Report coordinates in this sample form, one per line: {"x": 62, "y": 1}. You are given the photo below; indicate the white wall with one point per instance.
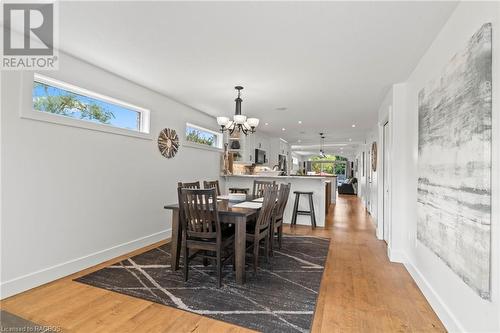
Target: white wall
{"x": 359, "y": 174}
{"x": 75, "y": 197}
{"x": 372, "y": 177}
{"x": 403, "y": 168}
{"x": 362, "y": 189}
{"x": 458, "y": 306}
{"x": 368, "y": 183}
{"x": 384, "y": 116}
{"x": 363, "y": 170}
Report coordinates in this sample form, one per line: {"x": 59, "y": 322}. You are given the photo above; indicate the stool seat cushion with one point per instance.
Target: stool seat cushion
{"x": 301, "y": 192}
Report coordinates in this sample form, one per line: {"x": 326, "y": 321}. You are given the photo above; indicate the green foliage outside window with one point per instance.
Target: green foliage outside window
{"x": 197, "y": 136}
{"x": 328, "y": 164}
{"x": 67, "y": 104}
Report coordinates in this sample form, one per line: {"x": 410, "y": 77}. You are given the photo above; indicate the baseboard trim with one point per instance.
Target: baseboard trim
{"x": 442, "y": 311}
{"x": 378, "y": 228}
{"x": 35, "y": 279}
{"x": 396, "y": 255}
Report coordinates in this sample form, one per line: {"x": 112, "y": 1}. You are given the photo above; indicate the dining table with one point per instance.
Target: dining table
{"x": 229, "y": 213}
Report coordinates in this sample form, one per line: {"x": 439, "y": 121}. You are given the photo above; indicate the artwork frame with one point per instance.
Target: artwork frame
{"x": 374, "y": 156}
{"x": 454, "y": 163}
{"x": 168, "y": 142}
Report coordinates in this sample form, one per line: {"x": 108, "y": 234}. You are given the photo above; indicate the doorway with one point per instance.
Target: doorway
{"x": 368, "y": 179}
{"x": 386, "y": 183}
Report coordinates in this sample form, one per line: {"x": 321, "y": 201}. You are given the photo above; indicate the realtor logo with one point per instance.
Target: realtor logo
{"x": 29, "y": 36}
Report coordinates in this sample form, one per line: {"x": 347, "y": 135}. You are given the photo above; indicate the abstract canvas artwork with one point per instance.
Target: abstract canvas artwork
{"x": 454, "y": 163}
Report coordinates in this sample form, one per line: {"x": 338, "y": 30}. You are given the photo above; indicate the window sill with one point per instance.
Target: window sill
{"x": 200, "y": 146}
{"x": 72, "y": 122}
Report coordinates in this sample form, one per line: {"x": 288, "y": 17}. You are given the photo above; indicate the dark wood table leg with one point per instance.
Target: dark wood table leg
{"x": 176, "y": 241}
{"x": 239, "y": 249}
{"x": 271, "y": 237}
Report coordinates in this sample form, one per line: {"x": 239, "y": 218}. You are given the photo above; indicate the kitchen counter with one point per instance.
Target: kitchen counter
{"x": 316, "y": 184}
{"x": 281, "y": 177}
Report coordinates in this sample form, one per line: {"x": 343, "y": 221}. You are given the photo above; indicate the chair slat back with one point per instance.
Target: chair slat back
{"x": 268, "y": 205}
{"x": 199, "y": 212}
{"x": 212, "y": 184}
{"x": 195, "y": 185}
{"x": 259, "y": 186}
{"x": 283, "y": 193}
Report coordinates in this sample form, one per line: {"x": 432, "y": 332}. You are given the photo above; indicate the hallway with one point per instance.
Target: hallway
{"x": 361, "y": 290}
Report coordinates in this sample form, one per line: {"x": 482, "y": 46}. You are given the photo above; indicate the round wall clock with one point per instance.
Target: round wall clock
{"x": 374, "y": 156}
{"x": 168, "y": 142}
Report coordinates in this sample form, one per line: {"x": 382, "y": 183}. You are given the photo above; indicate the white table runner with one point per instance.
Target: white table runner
{"x": 249, "y": 204}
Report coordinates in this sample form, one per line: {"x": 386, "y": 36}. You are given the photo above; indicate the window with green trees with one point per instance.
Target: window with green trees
{"x": 203, "y": 136}
{"x": 330, "y": 164}
{"x": 55, "y": 99}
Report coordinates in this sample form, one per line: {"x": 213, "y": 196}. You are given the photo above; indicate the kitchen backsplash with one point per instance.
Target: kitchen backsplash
{"x": 242, "y": 169}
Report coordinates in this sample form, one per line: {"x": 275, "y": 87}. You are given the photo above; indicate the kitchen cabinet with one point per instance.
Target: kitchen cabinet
{"x": 236, "y": 146}
{"x": 243, "y": 148}
{"x": 261, "y": 142}
{"x": 245, "y": 154}
{"x": 278, "y": 147}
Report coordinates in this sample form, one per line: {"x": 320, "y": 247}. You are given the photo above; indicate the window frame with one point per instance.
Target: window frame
{"x": 29, "y": 112}
{"x": 333, "y": 163}
{"x": 219, "y": 135}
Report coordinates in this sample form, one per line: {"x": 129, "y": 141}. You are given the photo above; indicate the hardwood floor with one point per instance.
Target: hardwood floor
{"x": 361, "y": 291}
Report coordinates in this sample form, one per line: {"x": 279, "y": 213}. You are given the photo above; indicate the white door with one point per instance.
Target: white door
{"x": 368, "y": 181}
{"x": 386, "y": 179}
{"x": 363, "y": 176}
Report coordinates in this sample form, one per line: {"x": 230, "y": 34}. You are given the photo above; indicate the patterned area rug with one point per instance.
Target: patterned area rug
{"x": 281, "y": 297}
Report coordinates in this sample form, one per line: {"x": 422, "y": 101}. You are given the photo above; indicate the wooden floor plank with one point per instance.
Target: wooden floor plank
{"x": 361, "y": 291}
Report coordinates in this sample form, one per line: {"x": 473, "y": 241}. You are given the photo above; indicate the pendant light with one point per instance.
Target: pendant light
{"x": 321, "y": 144}
{"x": 239, "y": 122}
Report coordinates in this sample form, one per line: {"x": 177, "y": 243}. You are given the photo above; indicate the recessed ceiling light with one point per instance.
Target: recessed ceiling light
{"x": 350, "y": 139}
{"x": 266, "y": 124}
{"x": 283, "y": 129}
{"x": 300, "y": 122}
{"x": 353, "y": 125}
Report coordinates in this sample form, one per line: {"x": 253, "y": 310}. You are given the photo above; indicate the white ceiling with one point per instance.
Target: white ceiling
{"x": 328, "y": 63}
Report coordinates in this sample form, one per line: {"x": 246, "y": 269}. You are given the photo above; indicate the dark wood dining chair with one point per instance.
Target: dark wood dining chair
{"x": 201, "y": 229}
{"x": 259, "y": 186}
{"x": 212, "y": 184}
{"x": 260, "y": 231}
{"x": 277, "y": 218}
{"x": 193, "y": 185}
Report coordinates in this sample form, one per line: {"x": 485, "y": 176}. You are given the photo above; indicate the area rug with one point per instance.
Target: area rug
{"x": 281, "y": 297}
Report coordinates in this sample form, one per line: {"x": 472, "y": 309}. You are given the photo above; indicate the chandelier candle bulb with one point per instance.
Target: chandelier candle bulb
{"x": 253, "y": 122}
{"x": 222, "y": 121}
{"x": 239, "y": 119}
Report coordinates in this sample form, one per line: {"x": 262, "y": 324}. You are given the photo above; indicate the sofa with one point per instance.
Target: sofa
{"x": 349, "y": 186}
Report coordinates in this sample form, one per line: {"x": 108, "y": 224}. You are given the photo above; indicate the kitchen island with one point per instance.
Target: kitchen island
{"x": 299, "y": 183}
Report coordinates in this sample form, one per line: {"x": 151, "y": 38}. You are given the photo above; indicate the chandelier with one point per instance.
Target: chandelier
{"x": 240, "y": 122}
